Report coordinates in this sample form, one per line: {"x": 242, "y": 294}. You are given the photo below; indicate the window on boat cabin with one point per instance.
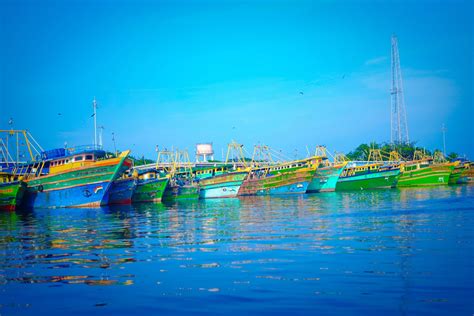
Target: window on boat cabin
{"x": 78, "y": 158}
{"x": 89, "y": 157}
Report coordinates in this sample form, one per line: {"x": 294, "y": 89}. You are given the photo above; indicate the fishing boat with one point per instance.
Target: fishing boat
{"x": 327, "y": 174}
{"x": 121, "y": 190}
{"x": 455, "y": 176}
{"x": 151, "y": 185}
{"x": 292, "y": 177}
{"x": 73, "y": 177}
{"x": 180, "y": 190}
{"x": 11, "y": 191}
{"x": 423, "y": 171}
{"x": 269, "y": 173}
{"x": 367, "y": 176}
{"x": 326, "y": 178}
{"x": 177, "y": 165}
{"x": 467, "y": 175}
{"x": 219, "y": 182}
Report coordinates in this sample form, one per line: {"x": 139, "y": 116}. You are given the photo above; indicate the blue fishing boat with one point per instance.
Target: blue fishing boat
{"x": 121, "y": 190}
{"x": 79, "y": 177}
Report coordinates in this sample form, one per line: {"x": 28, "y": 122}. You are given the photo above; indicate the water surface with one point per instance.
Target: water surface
{"x": 394, "y": 252}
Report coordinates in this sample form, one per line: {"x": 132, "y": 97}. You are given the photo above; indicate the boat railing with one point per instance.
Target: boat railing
{"x": 83, "y": 148}
{"x": 354, "y": 163}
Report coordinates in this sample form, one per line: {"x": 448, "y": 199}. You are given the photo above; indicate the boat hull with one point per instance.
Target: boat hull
{"x": 291, "y": 182}
{"x": 85, "y": 195}
{"x": 467, "y": 176}
{"x": 455, "y": 175}
{"x": 82, "y": 187}
{"x": 429, "y": 176}
{"x": 325, "y": 179}
{"x": 121, "y": 191}
{"x": 150, "y": 190}
{"x": 221, "y": 186}
{"x": 294, "y": 188}
{"x": 11, "y": 194}
{"x": 181, "y": 192}
{"x": 377, "y": 180}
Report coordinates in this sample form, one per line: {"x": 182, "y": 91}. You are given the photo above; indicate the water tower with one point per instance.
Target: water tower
{"x": 203, "y": 151}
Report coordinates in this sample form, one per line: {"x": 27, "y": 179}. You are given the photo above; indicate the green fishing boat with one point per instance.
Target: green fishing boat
{"x": 12, "y": 189}
{"x": 150, "y": 187}
{"x": 178, "y": 167}
{"x": 367, "y": 176}
{"x": 425, "y": 173}
{"x": 181, "y": 192}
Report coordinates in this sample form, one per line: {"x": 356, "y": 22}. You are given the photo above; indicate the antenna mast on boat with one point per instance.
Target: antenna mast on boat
{"x": 115, "y": 147}
{"x": 94, "y": 106}
{"x": 398, "y": 117}
{"x": 101, "y": 131}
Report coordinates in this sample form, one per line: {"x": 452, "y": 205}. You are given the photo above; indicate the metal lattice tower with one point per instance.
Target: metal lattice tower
{"x": 398, "y": 117}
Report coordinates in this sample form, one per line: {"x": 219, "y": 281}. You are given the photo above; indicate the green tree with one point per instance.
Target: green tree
{"x": 452, "y": 156}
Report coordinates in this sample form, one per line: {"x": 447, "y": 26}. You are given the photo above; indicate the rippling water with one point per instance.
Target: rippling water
{"x": 382, "y": 252}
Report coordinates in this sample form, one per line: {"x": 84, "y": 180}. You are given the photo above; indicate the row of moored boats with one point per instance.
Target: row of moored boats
{"x": 89, "y": 177}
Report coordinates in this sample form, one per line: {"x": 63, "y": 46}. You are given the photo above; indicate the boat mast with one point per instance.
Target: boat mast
{"x": 94, "y": 106}
{"x": 115, "y": 147}
{"x": 101, "y": 131}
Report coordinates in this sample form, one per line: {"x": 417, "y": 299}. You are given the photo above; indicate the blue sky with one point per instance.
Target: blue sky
{"x": 175, "y": 73}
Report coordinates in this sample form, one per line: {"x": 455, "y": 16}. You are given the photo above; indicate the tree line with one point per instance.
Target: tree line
{"x": 406, "y": 150}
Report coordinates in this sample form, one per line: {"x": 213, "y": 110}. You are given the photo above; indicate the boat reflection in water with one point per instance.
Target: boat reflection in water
{"x": 316, "y": 253}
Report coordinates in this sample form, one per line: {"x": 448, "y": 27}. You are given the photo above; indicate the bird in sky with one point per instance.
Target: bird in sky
{"x": 301, "y": 92}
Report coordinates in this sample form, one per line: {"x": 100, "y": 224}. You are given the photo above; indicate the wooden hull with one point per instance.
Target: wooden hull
{"x": 377, "y": 180}
{"x": 150, "y": 190}
{"x": 81, "y": 187}
{"x": 291, "y": 182}
{"x": 430, "y": 176}
{"x": 325, "y": 179}
{"x": 181, "y": 192}
{"x": 121, "y": 191}
{"x": 11, "y": 194}
{"x": 467, "y": 176}
{"x": 222, "y": 186}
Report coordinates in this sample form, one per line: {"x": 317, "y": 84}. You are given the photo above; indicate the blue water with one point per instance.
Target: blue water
{"x": 389, "y": 252}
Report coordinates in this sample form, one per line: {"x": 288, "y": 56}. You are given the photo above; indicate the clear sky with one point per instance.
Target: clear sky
{"x": 175, "y": 73}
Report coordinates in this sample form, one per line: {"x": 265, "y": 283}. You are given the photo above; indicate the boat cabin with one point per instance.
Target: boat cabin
{"x": 148, "y": 175}
{"x": 210, "y": 172}
{"x": 74, "y": 161}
